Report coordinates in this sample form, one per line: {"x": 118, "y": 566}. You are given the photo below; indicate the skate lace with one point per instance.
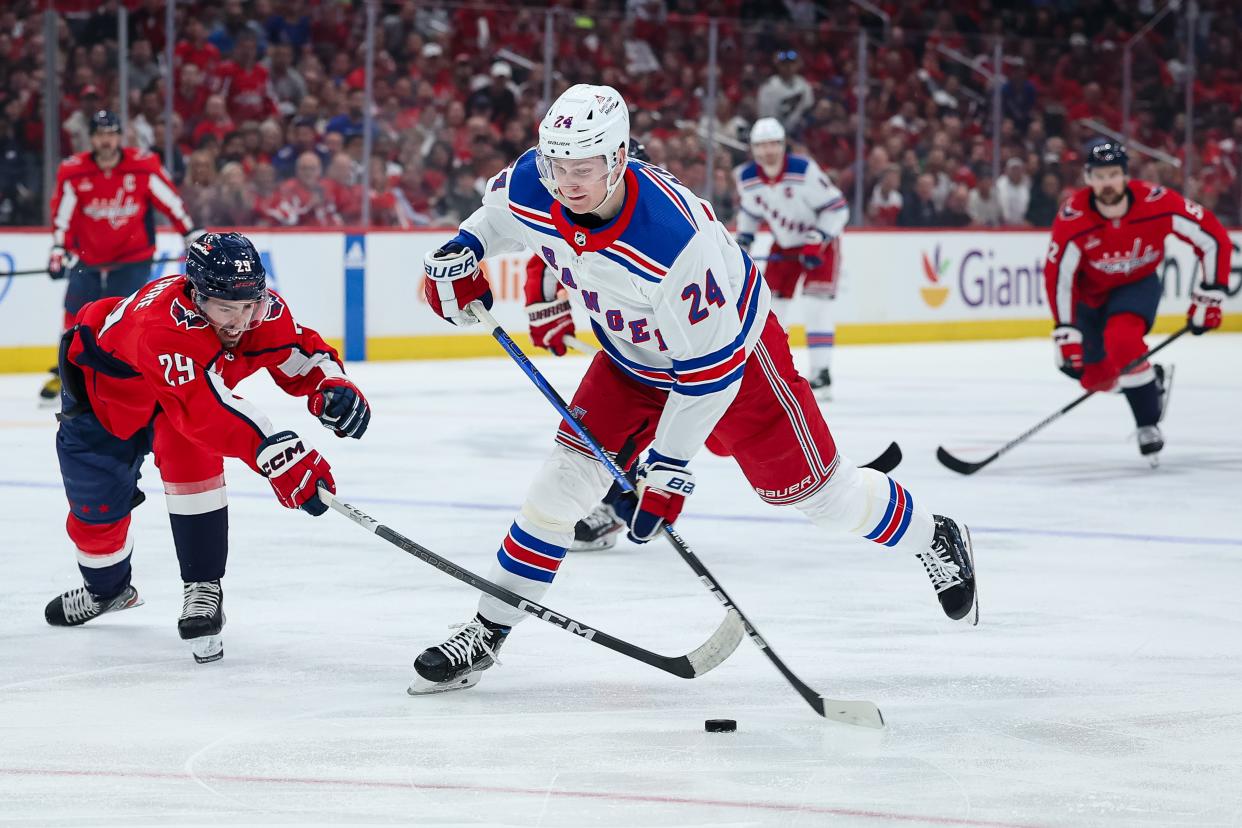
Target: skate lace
{"x": 941, "y": 568}
{"x": 472, "y": 638}
{"x": 79, "y": 603}
{"x": 201, "y": 598}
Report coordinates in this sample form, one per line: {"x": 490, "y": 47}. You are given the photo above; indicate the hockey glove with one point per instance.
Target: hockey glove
{"x": 1205, "y": 308}
{"x": 340, "y": 406}
{"x": 550, "y": 323}
{"x": 662, "y": 484}
{"x": 811, "y": 256}
{"x": 453, "y": 282}
{"x": 60, "y": 262}
{"x": 745, "y": 240}
{"x": 295, "y": 472}
{"x": 1068, "y": 342}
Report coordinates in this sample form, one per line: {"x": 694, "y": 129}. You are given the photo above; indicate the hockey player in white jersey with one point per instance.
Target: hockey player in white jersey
{"x": 806, "y": 215}
{"x": 691, "y": 353}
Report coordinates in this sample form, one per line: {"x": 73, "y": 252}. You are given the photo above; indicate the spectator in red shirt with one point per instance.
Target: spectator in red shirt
{"x": 243, "y": 81}
{"x": 216, "y": 121}
{"x": 302, "y": 201}
{"x": 191, "y": 96}
{"x": 340, "y": 188}
{"x": 196, "y": 49}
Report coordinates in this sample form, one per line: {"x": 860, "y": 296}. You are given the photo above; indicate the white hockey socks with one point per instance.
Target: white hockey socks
{"x": 821, "y": 331}
{"x": 870, "y": 504}
{"x": 567, "y": 487}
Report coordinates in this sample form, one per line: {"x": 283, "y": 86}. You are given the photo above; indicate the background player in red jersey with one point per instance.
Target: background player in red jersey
{"x": 1103, "y": 284}
{"x": 101, "y": 215}
{"x": 154, "y": 372}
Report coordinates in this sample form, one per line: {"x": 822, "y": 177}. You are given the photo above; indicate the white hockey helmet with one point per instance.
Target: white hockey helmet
{"x": 584, "y": 122}
{"x": 766, "y": 129}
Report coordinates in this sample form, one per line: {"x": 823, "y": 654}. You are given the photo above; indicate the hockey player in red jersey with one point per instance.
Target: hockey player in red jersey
{"x": 1103, "y": 285}
{"x": 102, "y": 216}
{"x": 691, "y": 353}
{"x": 154, "y": 373}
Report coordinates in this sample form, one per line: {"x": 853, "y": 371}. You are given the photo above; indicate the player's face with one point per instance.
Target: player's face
{"x": 232, "y": 319}
{"x": 768, "y": 153}
{"x": 1108, "y": 184}
{"x": 581, "y": 183}
{"x": 106, "y": 145}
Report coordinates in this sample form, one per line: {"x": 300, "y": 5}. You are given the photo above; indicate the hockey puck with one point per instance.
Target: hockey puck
{"x": 720, "y": 725}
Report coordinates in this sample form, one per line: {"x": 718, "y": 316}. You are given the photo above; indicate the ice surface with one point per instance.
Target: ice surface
{"x": 1103, "y": 686}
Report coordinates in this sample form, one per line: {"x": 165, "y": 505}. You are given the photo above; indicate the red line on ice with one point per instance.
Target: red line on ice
{"x": 434, "y": 786}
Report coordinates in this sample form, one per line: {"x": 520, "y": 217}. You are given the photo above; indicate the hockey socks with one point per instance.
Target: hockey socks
{"x": 526, "y": 563}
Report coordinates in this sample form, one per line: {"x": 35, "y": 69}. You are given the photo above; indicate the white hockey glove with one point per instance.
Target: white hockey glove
{"x": 453, "y": 282}
{"x": 1205, "y": 308}
{"x": 60, "y": 262}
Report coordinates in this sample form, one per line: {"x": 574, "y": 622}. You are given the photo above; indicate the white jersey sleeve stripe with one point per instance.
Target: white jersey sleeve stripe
{"x": 1066, "y": 271}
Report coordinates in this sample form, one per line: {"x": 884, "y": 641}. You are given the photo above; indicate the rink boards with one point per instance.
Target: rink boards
{"x": 362, "y": 290}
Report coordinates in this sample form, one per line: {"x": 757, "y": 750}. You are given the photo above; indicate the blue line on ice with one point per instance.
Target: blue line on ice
{"x": 505, "y": 507}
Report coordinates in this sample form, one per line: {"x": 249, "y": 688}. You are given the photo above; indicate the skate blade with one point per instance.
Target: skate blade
{"x": 423, "y": 687}
{"x": 973, "y": 615}
{"x": 597, "y": 545}
{"x": 208, "y": 648}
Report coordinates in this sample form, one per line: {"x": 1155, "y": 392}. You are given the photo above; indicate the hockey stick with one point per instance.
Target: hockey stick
{"x": 966, "y": 467}
{"x": 888, "y": 460}
{"x": 708, "y": 655}
{"x": 860, "y": 713}
{"x": 106, "y": 266}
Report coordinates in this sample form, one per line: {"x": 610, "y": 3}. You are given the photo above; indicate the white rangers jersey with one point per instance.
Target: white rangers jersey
{"x": 798, "y": 200}
{"x": 674, "y": 301}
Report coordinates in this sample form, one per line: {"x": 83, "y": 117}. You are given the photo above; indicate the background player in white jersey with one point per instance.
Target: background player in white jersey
{"x": 691, "y": 353}
{"x": 806, "y": 215}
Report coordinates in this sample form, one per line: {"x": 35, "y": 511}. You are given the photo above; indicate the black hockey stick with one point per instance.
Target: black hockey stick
{"x": 106, "y": 266}
{"x": 860, "y": 713}
{"x": 708, "y": 655}
{"x": 966, "y": 467}
{"x": 888, "y": 460}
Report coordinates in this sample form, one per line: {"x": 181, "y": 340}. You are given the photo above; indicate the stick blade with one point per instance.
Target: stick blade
{"x": 887, "y": 461}
{"x": 858, "y": 713}
{"x": 957, "y": 464}
{"x": 713, "y": 652}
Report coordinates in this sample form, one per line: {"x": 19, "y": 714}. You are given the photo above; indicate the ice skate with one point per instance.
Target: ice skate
{"x": 50, "y": 392}
{"x": 202, "y": 620}
{"x": 1150, "y": 442}
{"x": 77, "y": 606}
{"x": 821, "y": 384}
{"x": 950, "y": 564}
{"x": 598, "y": 530}
{"x": 459, "y": 662}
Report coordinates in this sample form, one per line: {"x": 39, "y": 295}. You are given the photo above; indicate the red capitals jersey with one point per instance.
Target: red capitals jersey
{"x": 1090, "y": 255}
{"x": 153, "y": 349}
{"x": 106, "y": 216}
{"x": 247, "y": 92}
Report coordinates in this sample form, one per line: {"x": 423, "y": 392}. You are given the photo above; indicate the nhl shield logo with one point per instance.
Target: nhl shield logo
{"x": 580, "y": 238}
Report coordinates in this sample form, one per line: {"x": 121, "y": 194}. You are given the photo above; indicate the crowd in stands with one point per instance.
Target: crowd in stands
{"x": 270, "y": 101}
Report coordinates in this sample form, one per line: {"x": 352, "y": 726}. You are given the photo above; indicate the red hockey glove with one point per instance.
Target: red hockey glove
{"x": 663, "y": 485}
{"x": 340, "y": 406}
{"x": 1068, "y": 341}
{"x": 453, "y": 282}
{"x": 60, "y": 262}
{"x": 813, "y": 253}
{"x": 1205, "y": 308}
{"x": 550, "y": 323}
{"x": 295, "y": 472}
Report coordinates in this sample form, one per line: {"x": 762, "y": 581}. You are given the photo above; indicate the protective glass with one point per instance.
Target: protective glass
{"x": 232, "y": 316}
